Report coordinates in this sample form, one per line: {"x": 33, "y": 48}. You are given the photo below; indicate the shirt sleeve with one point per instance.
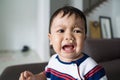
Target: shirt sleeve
{"x": 97, "y": 73}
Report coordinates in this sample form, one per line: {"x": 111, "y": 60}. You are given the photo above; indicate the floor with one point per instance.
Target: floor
{"x": 17, "y": 57}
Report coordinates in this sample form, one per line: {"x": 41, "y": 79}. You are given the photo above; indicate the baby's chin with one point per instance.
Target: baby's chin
{"x": 69, "y": 57}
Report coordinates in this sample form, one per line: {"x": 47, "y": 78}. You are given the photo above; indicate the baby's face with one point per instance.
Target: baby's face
{"x": 67, "y": 36}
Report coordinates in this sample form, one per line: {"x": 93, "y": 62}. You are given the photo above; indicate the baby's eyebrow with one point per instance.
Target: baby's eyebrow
{"x": 61, "y": 26}
{"x": 80, "y": 27}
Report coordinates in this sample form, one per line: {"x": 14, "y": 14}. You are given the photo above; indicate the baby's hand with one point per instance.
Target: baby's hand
{"x": 26, "y": 75}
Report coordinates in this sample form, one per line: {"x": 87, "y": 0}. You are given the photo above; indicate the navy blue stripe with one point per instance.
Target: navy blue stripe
{"x": 97, "y": 75}
{"x": 78, "y": 62}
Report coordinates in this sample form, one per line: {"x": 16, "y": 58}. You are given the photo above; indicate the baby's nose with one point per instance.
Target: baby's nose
{"x": 69, "y": 36}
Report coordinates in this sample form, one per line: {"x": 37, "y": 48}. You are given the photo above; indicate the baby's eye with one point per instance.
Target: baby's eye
{"x": 60, "y": 30}
{"x": 77, "y": 31}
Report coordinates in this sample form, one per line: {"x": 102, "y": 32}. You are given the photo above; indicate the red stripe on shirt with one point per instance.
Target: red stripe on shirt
{"x": 93, "y": 71}
{"x": 59, "y": 74}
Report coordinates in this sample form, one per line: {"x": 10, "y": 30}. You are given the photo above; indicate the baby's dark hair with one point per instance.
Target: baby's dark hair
{"x": 68, "y": 10}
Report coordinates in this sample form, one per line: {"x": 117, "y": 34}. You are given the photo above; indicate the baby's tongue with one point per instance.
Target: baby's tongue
{"x": 68, "y": 48}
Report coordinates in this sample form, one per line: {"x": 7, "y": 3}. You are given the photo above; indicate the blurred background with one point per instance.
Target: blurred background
{"x": 24, "y": 26}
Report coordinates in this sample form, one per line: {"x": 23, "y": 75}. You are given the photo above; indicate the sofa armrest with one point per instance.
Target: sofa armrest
{"x": 13, "y": 72}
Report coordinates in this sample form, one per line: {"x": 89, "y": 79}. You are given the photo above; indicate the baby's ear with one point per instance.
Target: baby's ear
{"x": 50, "y": 39}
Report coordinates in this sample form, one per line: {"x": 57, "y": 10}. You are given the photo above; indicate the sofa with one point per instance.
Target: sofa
{"x": 13, "y": 72}
{"x": 105, "y": 52}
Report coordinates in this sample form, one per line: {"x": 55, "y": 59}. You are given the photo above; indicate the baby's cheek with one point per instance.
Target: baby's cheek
{"x": 79, "y": 47}
{"x": 56, "y": 49}
{"x": 54, "y": 37}
{"x": 56, "y": 40}
{"x": 57, "y": 45}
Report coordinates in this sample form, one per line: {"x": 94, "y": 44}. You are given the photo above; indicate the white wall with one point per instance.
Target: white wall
{"x": 43, "y": 17}
{"x": 116, "y": 18}
{"x": 25, "y": 22}
{"x": 17, "y": 24}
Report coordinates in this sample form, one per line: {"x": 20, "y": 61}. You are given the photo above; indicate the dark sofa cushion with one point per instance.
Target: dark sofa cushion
{"x": 112, "y": 69}
{"x": 102, "y": 49}
{"x": 13, "y": 72}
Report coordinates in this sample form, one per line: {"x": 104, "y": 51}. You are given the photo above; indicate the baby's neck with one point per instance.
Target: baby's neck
{"x": 72, "y": 59}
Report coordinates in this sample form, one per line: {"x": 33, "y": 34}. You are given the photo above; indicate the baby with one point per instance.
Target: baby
{"x": 67, "y": 34}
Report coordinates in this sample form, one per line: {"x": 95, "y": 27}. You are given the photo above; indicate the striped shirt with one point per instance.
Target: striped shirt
{"x": 84, "y": 68}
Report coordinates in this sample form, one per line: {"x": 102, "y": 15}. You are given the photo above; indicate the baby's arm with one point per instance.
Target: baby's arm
{"x": 26, "y": 75}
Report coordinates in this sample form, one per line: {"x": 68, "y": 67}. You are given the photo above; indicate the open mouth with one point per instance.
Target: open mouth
{"x": 68, "y": 48}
